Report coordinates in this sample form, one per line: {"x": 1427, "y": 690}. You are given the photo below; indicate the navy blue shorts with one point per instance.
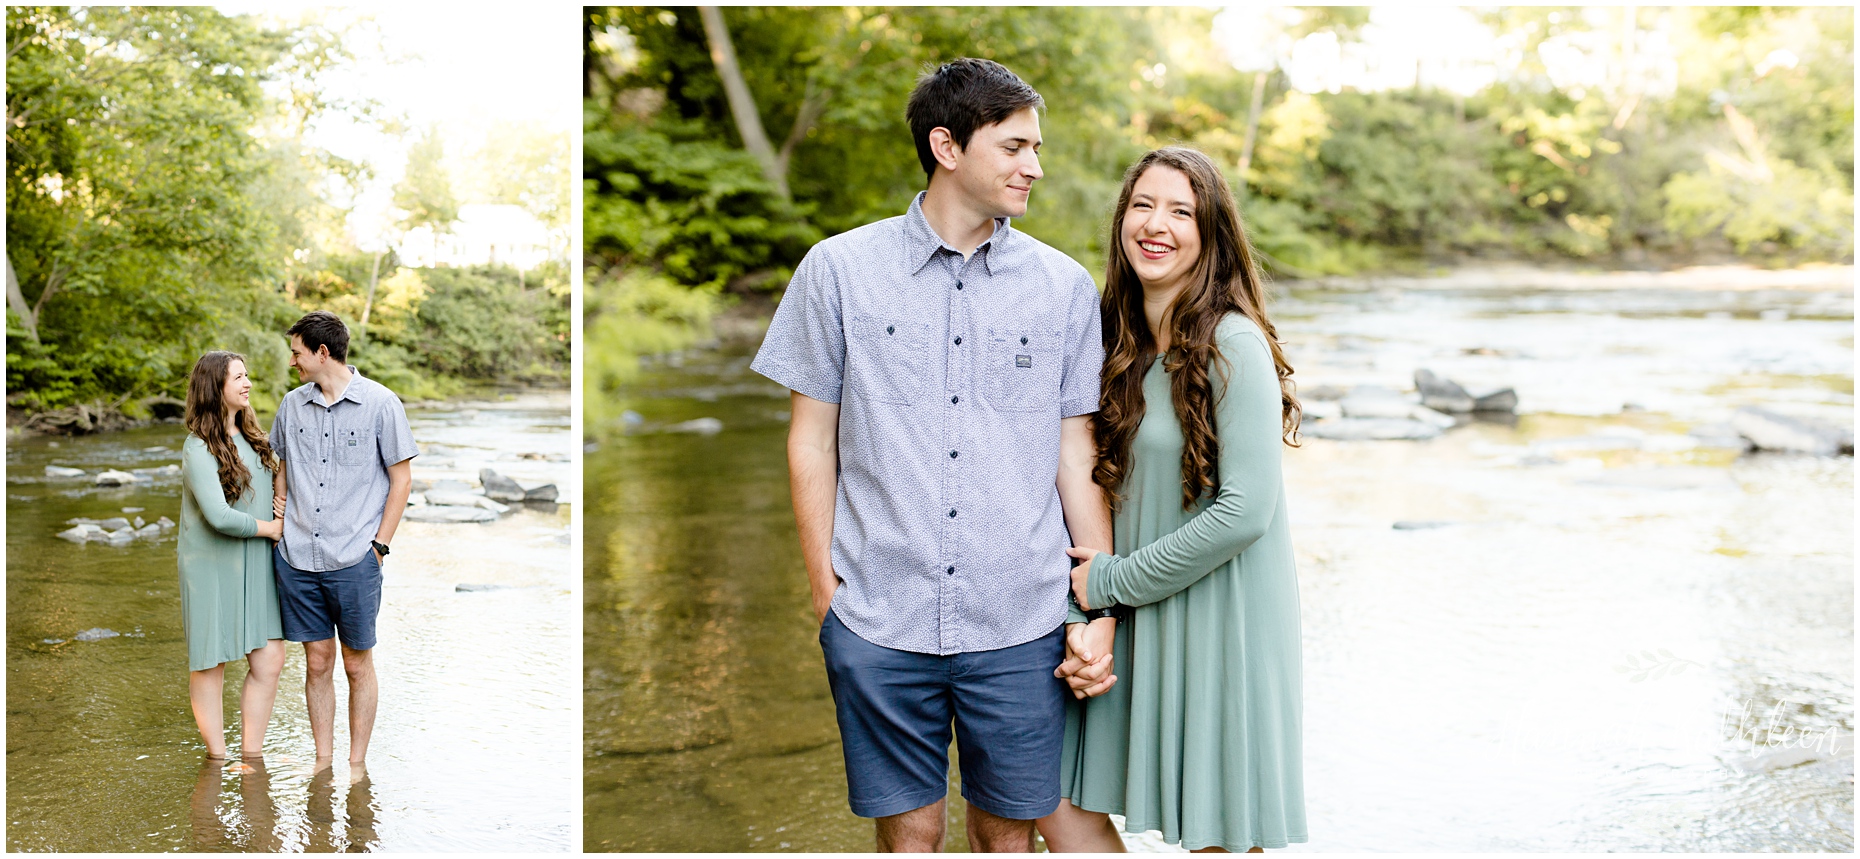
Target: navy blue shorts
{"x": 317, "y": 606}
{"x": 895, "y": 709}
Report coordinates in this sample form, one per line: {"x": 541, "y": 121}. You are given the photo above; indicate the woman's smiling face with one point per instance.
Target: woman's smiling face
{"x": 1160, "y": 236}
{"x": 238, "y": 392}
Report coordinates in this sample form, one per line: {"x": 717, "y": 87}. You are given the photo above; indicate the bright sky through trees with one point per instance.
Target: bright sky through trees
{"x": 462, "y": 68}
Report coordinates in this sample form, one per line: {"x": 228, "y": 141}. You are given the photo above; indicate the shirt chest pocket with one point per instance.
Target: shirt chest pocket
{"x": 1021, "y": 369}
{"x": 354, "y": 446}
{"x": 888, "y": 359}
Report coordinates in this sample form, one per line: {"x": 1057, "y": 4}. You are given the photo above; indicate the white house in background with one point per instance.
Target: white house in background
{"x": 484, "y": 234}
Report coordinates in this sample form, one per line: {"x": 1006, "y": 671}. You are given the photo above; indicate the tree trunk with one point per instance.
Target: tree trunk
{"x": 17, "y": 301}
{"x": 1252, "y": 132}
{"x": 373, "y": 279}
{"x": 742, "y": 104}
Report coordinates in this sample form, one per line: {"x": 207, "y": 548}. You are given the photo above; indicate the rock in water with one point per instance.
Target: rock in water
{"x": 1441, "y": 393}
{"x": 149, "y": 531}
{"x": 432, "y": 513}
{"x": 1501, "y": 400}
{"x": 1373, "y": 429}
{"x": 467, "y": 588}
{"x": 499, "y": 487}
{"x": 115, "y": 478}
{"x": 96, "y": 633}
{"x": 165, "y": 523}
{"x": 1771, "y": 431}
{"x": 77, "y": 533}
{"x": 1420, "y": 524}
{"x": 699, "y": 426}
{"x": 114, "y": 523}
{"x": 59, "y": 471}
{"x": 539, "y": 492}
{"x": 450, "y": 486}
{"x": 464, "y": 499}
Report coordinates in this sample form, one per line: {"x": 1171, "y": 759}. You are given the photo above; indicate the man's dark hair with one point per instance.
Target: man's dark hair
{"x": 323, "y": 328}
{"x": 963, "y": 95}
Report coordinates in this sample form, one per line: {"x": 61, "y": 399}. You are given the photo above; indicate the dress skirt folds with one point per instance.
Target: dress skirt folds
{"x": 229, "y": 600}
{"x": 1201, "y": 736}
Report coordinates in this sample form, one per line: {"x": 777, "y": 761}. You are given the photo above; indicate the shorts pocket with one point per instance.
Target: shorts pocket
{"x": 888, "y": 359}
{"x": 1021, "y": 370}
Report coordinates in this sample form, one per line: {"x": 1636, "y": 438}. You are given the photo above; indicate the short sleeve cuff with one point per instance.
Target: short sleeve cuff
{"x": 797, "y": 380}
{"x": 1101, "y": 588}
{"x": 1076, "y": 407}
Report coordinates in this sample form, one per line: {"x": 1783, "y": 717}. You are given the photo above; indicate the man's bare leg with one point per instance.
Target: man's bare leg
{"x": 991, "y": 834}
{"x": 320, "y": 694}
{"x": 360, "y": 666}
{"x": 1071, "y": 829}
{"x": 919, "y": 830}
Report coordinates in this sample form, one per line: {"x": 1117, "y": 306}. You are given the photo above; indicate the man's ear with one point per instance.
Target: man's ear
{"x": 944, "y": 147}
{"x": 322, "y": 351}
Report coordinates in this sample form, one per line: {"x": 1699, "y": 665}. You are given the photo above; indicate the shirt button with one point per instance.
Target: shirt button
{"x": 951, "y": 571}
{"x": 890, "y": 329}
{"x": 955, "y": 399}
{"x": 952, "y": 454}
{"x": 1023, "y": 341}
{"x": 959, "y": 284}
{"x": 952, "y": 514}
{"x": 959, "y": 341}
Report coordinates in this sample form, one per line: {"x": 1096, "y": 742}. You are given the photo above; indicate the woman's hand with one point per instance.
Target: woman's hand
{"x": 1082, "y": 573}
{"x": 1087, "y": 668}
{"x": 272, "y": 530}
{"x": 277, "y": 507}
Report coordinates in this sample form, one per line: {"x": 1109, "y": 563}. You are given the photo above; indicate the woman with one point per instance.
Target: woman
{"x": 1201, "y": 737}
{"x": 229, "y": 601}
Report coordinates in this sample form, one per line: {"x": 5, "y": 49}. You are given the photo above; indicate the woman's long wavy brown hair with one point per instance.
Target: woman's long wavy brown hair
{"x": 206, "y": 419}
{"x": 1225, "y": 279}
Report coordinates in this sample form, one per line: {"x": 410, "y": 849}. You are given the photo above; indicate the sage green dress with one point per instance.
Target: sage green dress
{"x": 229, "y": 600}
{"x": 1201, "y": 736}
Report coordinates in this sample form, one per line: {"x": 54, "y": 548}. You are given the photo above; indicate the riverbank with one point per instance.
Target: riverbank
{"x": 1529, "y": 276}
{"x": 96, "y": 417}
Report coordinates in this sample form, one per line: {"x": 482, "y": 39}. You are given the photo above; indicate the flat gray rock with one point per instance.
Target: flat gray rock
{"x": 96, "y": 633}
{"x": 1772, "y": 431}
{"x": 539, "y": 492}
{"x": 698, "y": 426}
{"x": 1420, "y": 524}
{"x": 115, "y": 478}
{"x": 449, "y": 514}
{"x": 62, "y": 473}
{"x": 1374, "y": 429}
{"x": 463, "y": 499}
{"x": 114, "y": 523}
{"x": 499, "y": 487}
{"x": 1441, "y": 393}
{"x": 450, "y": 486}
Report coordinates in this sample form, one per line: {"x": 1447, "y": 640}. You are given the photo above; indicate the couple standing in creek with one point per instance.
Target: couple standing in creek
{"x": 338, "y": 464}
{"x": 969, "y": 422}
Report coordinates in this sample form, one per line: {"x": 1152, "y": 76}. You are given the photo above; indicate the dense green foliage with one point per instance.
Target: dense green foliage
{"x": 162, "y": 201}
{"x": 1744, "y": 156}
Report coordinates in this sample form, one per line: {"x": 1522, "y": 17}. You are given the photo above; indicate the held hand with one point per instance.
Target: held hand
{"x": 1082, "y": 572}
{"x": 277, "y": 507}
{"x": 1087, "y": 668}
{"x": 272, "y": 530}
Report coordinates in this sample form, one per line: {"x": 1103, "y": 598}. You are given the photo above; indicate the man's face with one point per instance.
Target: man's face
{"x": 306, "y": 362}
{"x": 999, "y": 166}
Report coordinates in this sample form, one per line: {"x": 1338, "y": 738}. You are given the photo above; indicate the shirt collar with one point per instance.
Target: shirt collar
{"x": 314, "y": 395}
{"x": 921, "y": 242}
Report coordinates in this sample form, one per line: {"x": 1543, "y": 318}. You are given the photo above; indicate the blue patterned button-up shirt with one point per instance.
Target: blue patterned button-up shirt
{"x": 952, "y": 376}
{"x": 336, "y": 458}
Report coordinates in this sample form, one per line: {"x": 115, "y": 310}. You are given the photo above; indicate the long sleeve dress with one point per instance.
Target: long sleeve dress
{"x": 229, "y": 600}
{"x": 1201, "y": 736}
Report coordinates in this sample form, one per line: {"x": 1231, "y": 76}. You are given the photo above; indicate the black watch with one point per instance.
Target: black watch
{"x": 380, "y": 548}
{"x": 1090, "y": 613}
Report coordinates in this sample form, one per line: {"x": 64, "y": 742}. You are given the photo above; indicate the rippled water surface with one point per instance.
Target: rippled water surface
{"x": 474, "y": 743}
{"x": 1613, "y": 638}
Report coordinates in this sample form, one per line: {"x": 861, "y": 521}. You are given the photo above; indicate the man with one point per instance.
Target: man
{"x": 347, "y": 462}
{"x": 943, "y": 369}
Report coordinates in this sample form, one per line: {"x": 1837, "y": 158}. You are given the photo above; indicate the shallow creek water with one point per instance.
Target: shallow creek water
{"x": 473, "y": 746}
{"x": 1611, "y": 638}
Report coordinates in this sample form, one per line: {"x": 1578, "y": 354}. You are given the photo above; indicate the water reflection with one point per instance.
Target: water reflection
{"x": 1467, "y": 685}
